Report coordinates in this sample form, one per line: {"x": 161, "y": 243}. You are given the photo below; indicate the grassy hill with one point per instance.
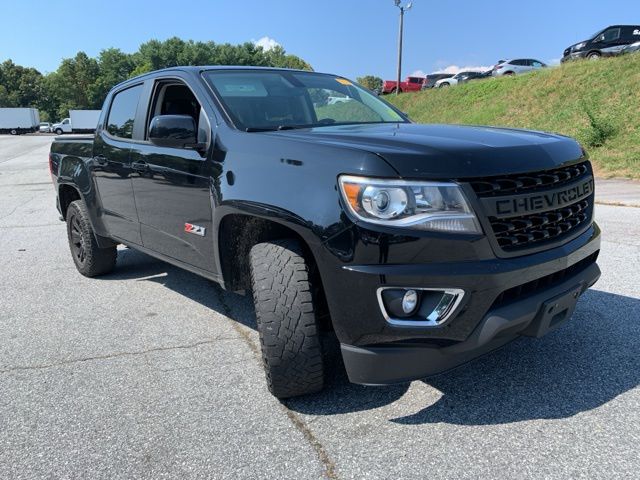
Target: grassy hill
{"x": 596, "y": 102}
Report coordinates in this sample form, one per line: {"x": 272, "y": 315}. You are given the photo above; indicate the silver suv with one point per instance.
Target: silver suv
{"x": 516, "y": 66}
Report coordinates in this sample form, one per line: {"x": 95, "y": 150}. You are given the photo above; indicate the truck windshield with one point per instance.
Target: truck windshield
{"x": 281, "y": 100}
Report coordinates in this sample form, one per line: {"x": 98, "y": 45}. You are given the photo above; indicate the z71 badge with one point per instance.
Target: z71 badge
{"x": 195, "y": 229}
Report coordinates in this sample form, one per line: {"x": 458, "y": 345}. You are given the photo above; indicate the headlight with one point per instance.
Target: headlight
{"x": 435, "y": 206}
{"x": 579, "y": 46}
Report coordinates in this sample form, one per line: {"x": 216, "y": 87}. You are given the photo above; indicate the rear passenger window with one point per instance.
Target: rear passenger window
{"x": 123, "y": 112}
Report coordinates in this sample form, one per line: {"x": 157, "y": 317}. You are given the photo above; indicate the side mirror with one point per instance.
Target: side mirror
{"x": 175, "y": 131}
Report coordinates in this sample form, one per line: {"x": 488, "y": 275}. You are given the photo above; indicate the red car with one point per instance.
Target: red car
{"x": 411, "y": 84}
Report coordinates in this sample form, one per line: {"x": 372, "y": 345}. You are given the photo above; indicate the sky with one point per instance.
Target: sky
{"x": 346, "y": 37}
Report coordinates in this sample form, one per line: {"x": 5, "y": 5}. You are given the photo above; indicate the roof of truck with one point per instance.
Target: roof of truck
{"x": 203, "y": 68}
{"x": 196, "y": 69}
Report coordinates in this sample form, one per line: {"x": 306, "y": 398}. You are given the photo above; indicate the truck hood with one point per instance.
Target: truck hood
{"x": 449, "y": 151}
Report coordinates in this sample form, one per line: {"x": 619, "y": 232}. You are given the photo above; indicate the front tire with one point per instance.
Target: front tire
{"x": 286, "y": 318}
{"x": 59, "y": 131}
{"x": 90, "y": 260}
{"x": 594, "y": 56}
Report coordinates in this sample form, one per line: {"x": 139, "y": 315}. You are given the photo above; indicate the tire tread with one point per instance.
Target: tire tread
{"x": 285, "y": 314}
{"x": 99, "y": 261}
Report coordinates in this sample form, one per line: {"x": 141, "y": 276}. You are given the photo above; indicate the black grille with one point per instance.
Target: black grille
{"x": 529, "y": 288}
{"x": 514, "y": 184}
{"x": 529, "y": 231}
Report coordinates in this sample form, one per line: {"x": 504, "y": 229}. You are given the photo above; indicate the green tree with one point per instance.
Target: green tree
{"x": 21, "y": 86}
{"x": 371, "y": 82}
{"x": 83, "y": 82}
{"x": 114, "y": 66}
{"x": 73, "y": 84}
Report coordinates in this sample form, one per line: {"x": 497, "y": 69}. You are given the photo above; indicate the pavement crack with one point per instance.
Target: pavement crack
{"x": 107, "y": 356}
{"x": 298, "y": 422}
{"x": 16, "y": 208}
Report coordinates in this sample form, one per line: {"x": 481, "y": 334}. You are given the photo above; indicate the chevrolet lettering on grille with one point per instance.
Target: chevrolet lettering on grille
{"x": 516, "y": 205}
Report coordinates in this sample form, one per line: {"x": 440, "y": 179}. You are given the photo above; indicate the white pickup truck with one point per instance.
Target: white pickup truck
{"x": 79, "y": 121}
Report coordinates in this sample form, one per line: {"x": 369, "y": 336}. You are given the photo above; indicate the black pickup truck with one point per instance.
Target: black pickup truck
{"x": 420, "y": 246}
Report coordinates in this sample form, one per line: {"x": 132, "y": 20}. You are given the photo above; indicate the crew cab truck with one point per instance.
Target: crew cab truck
{"x": 411, "y": 84}
{"x": 419, "y": 246}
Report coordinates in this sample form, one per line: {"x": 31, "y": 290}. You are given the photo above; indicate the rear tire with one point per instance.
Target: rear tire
{"x": 14, "y": 132}
{"x": 444, "y": 85}
{"x": 286, "y": 318}
{"x": 90, "y": 260}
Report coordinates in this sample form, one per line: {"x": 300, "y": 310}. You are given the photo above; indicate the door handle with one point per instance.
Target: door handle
{"x": 139, "y": 166}
{"x": 100, "y": 159}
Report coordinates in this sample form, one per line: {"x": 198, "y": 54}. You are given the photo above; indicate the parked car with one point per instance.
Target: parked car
{"x": 517, "y": 66}
{"x": 611, "y": 41}
{"x": 45, "y": 127}
{"x": 459, "y": 77}
{"x": 474, "y": 76}
{"x": 17, "y": 121}
{"x": 419, "y": 246}
{"x": 411, "y": 84}
{"x": 79, "y": 121}
{"x": 634, "y": 47}
{"x": 432, "y": 78}
{"x": 485, "y": 74}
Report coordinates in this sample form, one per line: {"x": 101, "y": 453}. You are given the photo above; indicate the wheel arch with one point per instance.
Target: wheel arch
{"x": 67, "y": 193}
{"x": 238, "y": 231}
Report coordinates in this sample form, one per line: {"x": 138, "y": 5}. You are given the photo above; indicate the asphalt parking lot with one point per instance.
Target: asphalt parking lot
{"x": 153, "y": 372}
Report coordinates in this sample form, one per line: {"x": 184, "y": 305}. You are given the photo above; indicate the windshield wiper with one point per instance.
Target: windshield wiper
{"x": 276, "y": 129}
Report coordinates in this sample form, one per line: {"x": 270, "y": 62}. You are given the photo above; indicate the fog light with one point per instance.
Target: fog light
{"x": 418, "y": 307}
{"x": 409, "y": 302}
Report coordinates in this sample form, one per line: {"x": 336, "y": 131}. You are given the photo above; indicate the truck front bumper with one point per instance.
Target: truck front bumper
{"x": 504, "y": 298}
{"x": 533, "y": 316}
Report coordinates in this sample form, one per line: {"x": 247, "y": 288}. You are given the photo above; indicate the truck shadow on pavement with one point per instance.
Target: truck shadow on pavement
{"x": 583, "y": 365}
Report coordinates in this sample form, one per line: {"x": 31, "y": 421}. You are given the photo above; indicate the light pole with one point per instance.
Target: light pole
{"x": 402, "y": 10}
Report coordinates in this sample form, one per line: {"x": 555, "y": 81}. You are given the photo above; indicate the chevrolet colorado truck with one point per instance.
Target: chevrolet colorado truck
{"x": 420, "y": 247}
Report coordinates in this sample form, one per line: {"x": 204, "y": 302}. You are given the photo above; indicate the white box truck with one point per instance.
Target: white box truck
{"x": 79, "y": 121}
{"x": 19, "y": 120}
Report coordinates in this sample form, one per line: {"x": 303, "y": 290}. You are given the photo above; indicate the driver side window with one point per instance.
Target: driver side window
{"x": 175, "y": 98}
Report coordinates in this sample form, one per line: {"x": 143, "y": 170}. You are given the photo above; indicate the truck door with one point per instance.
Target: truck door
{"x": 172, "y": 186}
{"x": 111, "y": 167}
{"x": 610, "y": 41}
{"x": 66, "y": 125}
